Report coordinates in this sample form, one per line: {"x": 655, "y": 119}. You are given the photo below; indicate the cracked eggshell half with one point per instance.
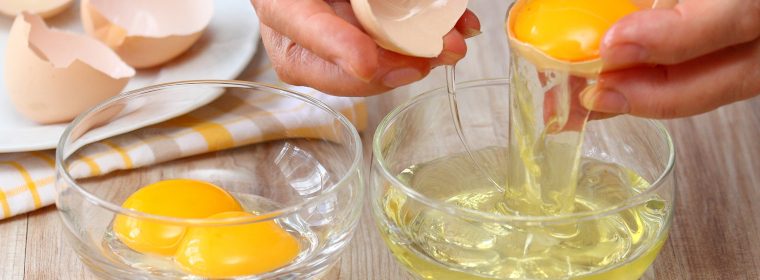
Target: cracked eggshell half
{"x": 43, "y": 8}
{"x": 410, "y": 27}
{"x": 51, "y": 76}
{"x": 587, "y": 68}
{"x": 147, "y": 33}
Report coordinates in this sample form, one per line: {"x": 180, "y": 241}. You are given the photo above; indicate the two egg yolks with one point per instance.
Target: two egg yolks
{"x": 568, "y": 30}
{"x": 213, "y": 251}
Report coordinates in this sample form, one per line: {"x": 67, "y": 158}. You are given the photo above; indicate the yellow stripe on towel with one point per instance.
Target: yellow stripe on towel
{"x": 94, "y": 167}
{"x": 123, "y": 153}
{"x": 29, "y": 182}
{"x": 217, "y": 136}
{"x": 4, "y": 204}
{"x": 45, "y": 157}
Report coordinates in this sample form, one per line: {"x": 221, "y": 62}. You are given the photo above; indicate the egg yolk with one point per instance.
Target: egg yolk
{"x": 225, "y": 251}
{"x": 569, "y": 30}
{"x": 179, "y": 198}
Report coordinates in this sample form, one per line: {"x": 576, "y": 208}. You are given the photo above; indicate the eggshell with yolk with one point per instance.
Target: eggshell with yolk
{"x": 587, "y": 68}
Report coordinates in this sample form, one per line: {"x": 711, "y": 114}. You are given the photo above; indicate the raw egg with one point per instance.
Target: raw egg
{"x": 52, "y": 76}
{"x": 226, "y": 251}
{"x": 566, "y": 34}
{"x": 179, "y": 198}
{"x": 569, "y": 30}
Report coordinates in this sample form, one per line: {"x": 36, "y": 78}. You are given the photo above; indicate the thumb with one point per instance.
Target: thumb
{"x": 690, "y": 88}
{"x": 689, "y": 30}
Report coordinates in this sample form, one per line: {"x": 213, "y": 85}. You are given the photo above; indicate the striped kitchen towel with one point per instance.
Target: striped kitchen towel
{"x": 27, "y": 179}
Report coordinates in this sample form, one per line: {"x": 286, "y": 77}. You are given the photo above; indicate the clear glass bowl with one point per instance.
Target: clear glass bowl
{"x": 307, "y": 182}
{"x": 439, "y": 226}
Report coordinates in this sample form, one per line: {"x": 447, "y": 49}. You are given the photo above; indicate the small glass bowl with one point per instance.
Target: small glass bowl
{"x": 308, "y": 182}
{"x": 424, "y": 206}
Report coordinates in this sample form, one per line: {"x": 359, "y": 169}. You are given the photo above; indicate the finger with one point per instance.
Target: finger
{"x": 691, "y": 29}
{"x": 299, "y": 66}
{"x": 685, "y": 89}
{"x": 314, "y": 25}
{"x": 454, "y": 46}
{"x": 454, "y": 49}
{"x": 343, "y": 10}
{"x": 468, "y": 25}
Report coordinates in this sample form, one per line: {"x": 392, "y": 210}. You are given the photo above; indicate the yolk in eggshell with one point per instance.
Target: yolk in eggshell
{"x": 569, "y": 30}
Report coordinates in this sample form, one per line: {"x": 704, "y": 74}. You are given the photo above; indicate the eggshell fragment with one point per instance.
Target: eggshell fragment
{"x": 51, "y": 76}
{"x": 147, "y": 33}
{"x": 588, "y": 68}
{"x": 410, "y": 27}
{"x": 43, "y": 8}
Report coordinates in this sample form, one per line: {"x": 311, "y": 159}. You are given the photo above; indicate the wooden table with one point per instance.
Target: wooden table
{"x": 717, "y": 224}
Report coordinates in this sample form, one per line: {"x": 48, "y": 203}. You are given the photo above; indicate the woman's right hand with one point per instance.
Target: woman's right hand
{"x": 691, "y": 59}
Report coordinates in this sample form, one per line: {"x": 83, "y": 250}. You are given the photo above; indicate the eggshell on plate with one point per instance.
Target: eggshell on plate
{"x": 147, "y": 33}
{"x": 586, "y": 68}
{"x": 51, "y": 75}
{"x": 43, "y": 8}
{"x": 410, "y": 27}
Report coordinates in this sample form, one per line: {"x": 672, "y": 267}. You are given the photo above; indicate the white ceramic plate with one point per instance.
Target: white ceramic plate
{"x": 223, "y": 51}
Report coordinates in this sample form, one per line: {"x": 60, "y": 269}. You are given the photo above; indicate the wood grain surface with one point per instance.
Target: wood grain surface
{"x": 716, "y": 233}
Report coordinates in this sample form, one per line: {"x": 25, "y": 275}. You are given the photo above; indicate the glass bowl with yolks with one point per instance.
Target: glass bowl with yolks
{"x": 152, "y": 204}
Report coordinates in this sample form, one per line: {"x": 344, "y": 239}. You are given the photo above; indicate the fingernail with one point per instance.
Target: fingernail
{"x": 400, "y": 77}
{"x": 624, "y": 55}
{"x": 471, "y": 32}
{"x": 605, "y": 101}
{"x": 350, "y": 70}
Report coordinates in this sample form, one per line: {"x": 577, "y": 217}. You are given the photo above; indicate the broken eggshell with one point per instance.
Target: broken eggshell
{"x": 410, "y": 27}
{"x": 43, "y": 8}
{"x": 147, "y": 33}
{"x": 587, "y": 68}
{"x": 52, "y": 76}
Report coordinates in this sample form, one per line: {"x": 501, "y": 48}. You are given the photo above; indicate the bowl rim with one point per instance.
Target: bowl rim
{"x": 63, "y": 174}
{"x": 451, "y": 209}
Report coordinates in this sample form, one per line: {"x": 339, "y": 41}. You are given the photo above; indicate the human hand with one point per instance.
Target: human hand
{"x": 687, "y": 60}
{"x": 320, "y": 44}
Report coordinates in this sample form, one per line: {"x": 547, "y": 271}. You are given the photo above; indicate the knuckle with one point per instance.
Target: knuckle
{"x": 666, "y": 104}
{"x": 284, "y": 69}
{"x": 666, "y": 111}
{"x": 285, "y": 56}
{"x": 292, "y": 51}
{"x": 660, "y": 108}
